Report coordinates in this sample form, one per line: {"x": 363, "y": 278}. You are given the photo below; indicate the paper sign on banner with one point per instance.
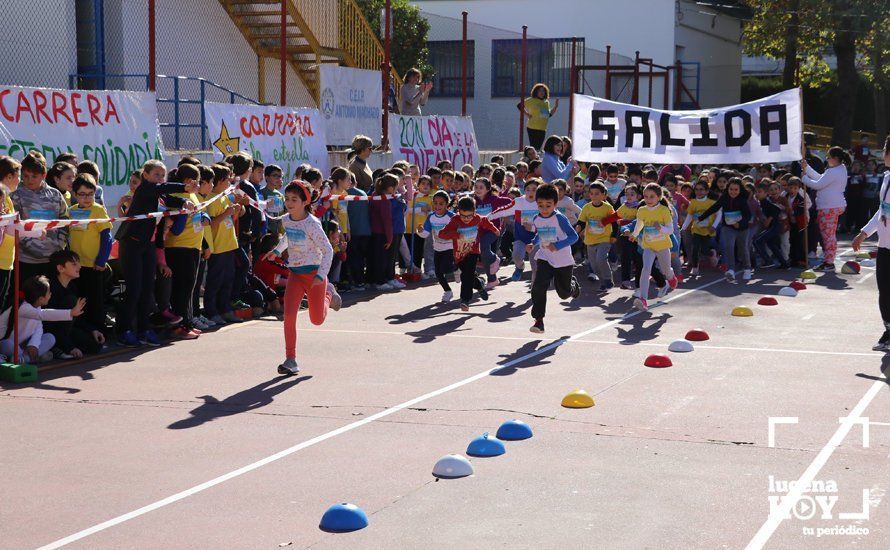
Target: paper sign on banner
{"x": 117, "y": 130}
{"x": 766, "y": 130}
{"x": 286, "y": 136}
{"x": 351, "y": 102}
{"x": 427, "y": 140}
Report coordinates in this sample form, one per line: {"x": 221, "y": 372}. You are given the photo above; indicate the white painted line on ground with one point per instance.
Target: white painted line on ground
{"x": 606, "y": 342}
{"x": 349, "y": 427}
{"x": 865, "y": 277}
{"x": 807, "y": 317}
{"x": 778, "y": 514}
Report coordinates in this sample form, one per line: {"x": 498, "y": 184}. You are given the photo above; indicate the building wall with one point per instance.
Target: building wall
{"x": 40, "y": 48}
{"x": 715, "y": 42}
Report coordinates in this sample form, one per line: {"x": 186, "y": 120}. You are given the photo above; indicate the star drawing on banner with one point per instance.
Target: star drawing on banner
{"x": 227, "y": 145}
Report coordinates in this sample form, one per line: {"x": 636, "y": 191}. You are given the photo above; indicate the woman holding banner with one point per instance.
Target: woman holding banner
{"x": 537, "y": 109}
{"x": 830, "y": 202}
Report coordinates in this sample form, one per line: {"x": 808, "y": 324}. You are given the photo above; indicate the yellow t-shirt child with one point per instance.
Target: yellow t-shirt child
{"x": 626, "y": 212}
{"x": 85, "y": 240}
{"x": 703, "y": 227}
{"x": 7, "y": 247}
{"x": 193, "y": 233}
{"x": 224, "y": 238}
{"x": 650, "y": 222}
{"x": 595, "y": 232}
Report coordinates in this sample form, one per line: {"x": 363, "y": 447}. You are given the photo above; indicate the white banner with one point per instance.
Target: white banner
{"x": 766, "y": 130}
{"x": 286, "y": 136}
{"x": 117, "y": 130}
{"x": 427, "y": 140}
{"x": 351, "y": 102}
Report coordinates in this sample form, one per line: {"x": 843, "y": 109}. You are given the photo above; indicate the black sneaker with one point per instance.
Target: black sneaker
{"x": 824, "y": 266}
{"x": 538, "y": 327}
{"x": 482, "y": 292}
{"x": 884, "y": 343}
{"x": 576, "y": 288}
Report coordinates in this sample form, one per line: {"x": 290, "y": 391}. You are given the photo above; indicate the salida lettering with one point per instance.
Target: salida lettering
{"x": 56, "y": 107}
{"x": 276, "y": 124}
{"x": 737, "y": 129}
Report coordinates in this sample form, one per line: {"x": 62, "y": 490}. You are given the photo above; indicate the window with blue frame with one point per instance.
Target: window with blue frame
{"x": 445, "y": 58}
{"x": 549, "y": 61}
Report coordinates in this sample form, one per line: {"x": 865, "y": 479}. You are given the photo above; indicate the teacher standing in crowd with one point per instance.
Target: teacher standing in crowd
{"x": 830, "y": 201}
{"x": 414, "y": 93}
{"x": 552, "y": 167}
{"x": 537, "y": 109}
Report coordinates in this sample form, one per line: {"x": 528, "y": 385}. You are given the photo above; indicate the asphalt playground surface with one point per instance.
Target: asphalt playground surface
{"x": 201, "y": 444}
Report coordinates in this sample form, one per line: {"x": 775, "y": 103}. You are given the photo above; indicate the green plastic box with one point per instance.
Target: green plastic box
{"x": 10, "y": 372}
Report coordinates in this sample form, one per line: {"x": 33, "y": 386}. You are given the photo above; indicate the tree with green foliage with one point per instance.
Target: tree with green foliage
{"x": 409, "y": 33}
{"x": 802, "y": 32}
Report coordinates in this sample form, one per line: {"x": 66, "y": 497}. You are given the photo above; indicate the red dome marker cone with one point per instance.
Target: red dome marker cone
{"x": 873, "y": 253}
{"x": 697, "y": 335}
{"x": 658, "y": 361}
{"x": 797, "y": 285}
{"x": 768, "y": 301}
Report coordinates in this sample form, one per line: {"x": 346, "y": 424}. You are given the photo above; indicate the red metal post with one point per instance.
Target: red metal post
{"x": 608, "y": 75}
{"x": 151, "y": 47}
{"x": 387, "y": 68}
{"x": 572, "y": 79}
{"x": 651, "y": 77}
{"x": 636, "y": 95}
{"x": 463, "y": 69}
{"x": 522, "y": 86}
{"x": 15, "y": 300}
{"x": 667, "y": 87}
{"x": 282, "y": 94}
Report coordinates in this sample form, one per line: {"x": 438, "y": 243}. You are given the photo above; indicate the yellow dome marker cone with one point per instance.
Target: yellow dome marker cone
{"x": 578, "y": 399}
{"x": 742, "y": 311}
{"x": 808, "y": 275}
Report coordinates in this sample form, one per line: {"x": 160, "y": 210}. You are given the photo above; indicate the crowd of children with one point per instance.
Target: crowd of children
{"x": 245, "y": 243}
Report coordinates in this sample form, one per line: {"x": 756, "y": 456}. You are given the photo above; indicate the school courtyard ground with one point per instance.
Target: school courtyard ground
{"x": 202, "y": 445}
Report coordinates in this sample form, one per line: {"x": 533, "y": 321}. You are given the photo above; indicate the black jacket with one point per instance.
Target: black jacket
{"x": 145, "y": 201}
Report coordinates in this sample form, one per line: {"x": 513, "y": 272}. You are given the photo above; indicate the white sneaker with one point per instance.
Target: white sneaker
{"x": 397, "y": 284}
{"x": 336, "y": 300}
{"x": 693, "y": 272}
{"x": 495, "y": 265}
{"x": 491, "y": 284}
{"x": 730, "y": 275}
{"x": 385, "y": 286}
{"x": 198, "y": 324}
{"x": 447, "y": 296}
{"x": 746, "y": 275}
{"x": 662, "y": 292}
{"x": 289, "y": 367}
{"x": 427, "y": 276}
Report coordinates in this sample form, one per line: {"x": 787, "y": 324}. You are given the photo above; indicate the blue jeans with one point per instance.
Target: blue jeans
{"x": 486, "y": 245}
{"x": 770, "y": 237}
{"x": 218, "y": 289}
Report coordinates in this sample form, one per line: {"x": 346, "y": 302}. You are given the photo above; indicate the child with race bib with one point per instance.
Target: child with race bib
{"x": 309, "y": 257}
{"x": 443, "y": 255}
{"x": 465, "y": 231}
{"x": 598, "y": 221}
{"x": 654, "y": 227}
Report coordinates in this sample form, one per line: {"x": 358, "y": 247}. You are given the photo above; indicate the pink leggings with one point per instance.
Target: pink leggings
{"x": 827, "y": 219}
{"x": 299, "y": 285}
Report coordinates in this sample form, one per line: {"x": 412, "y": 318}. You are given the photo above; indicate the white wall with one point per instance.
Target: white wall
{"x": 38, "y": 43}
{"x": 715, "y": 42}
{"x": 628, "y": 25}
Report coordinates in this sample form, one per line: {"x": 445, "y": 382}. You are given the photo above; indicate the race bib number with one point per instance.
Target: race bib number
{"x": 44, "y": 214}
{"x": 229, "y": 223}
{"x": 436, "y": 227}
{"x": 652, "y": 235}
{"x": 704, "y": 222}
{"x": 484, "y": 210}
{"x": 467, "y": 234}
{"x": 296, "y": 238}
{"x": 79, "y": 215}
{"x": 276, "y": 204}
{"x": 547, "y": 235}
{"x": 527, "y": 216}
{"x": 595, "y": 227}
{"x": 732, "y": 217}
{"x": 613, "y": 190}
{"x": 196, "y": 222}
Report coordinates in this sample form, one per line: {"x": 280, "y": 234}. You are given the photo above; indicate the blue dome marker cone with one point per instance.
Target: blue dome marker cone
{"x": 514, "y": 430}
{"x": 484, "y": 446}
{"x": 343, "y": 518}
